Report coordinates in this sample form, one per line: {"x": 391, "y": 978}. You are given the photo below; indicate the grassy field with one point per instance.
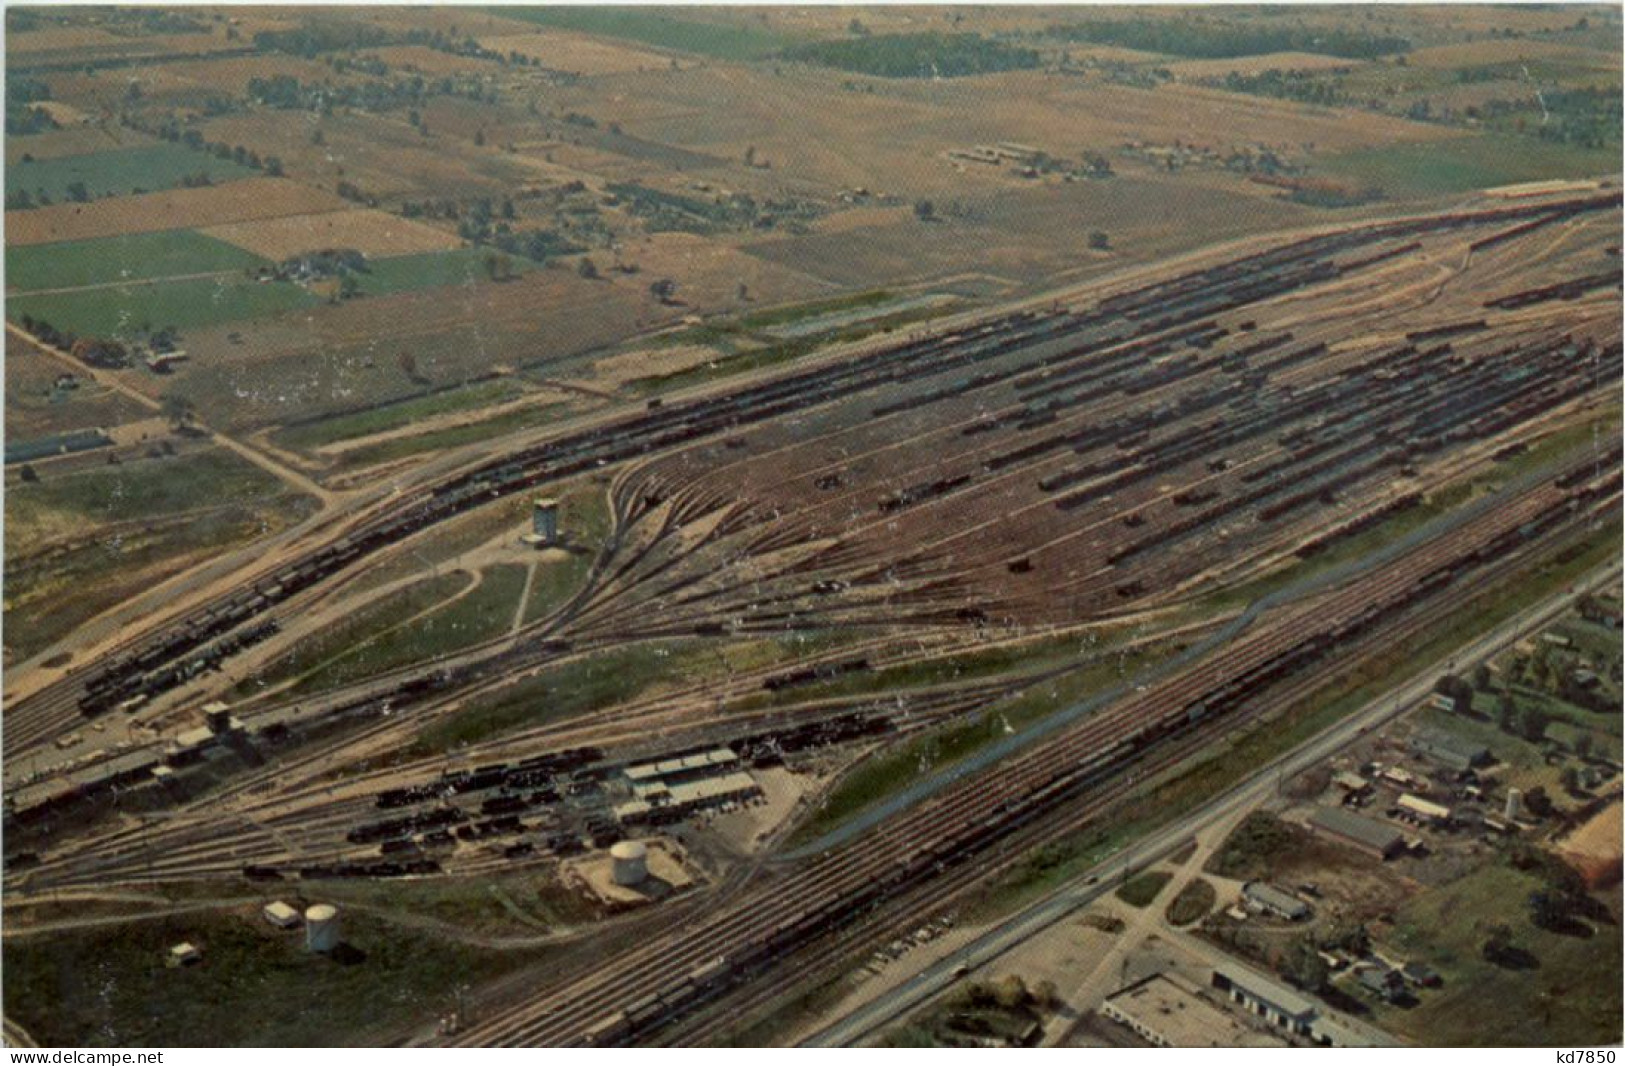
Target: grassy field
{"x": 450, "y": 437}
{"x": 1572, "y": 997}
{"x": 48, "y": 600}
{"x": 397, "y": 415}
{"x": 127, "y": 170}
{"x": 133, "y": 257}
{"x": 430, "y": 270}
{"x": 108, "y": 985}
{"x": 336, "y": 640}
{"x": 1461, "y": 164}
{"x": 574, "y": 688}
{"x": 684, "y": 32}
{"x": 1142, "y": 889}
{"x": 144, "y": 489}
{"x": 889, "y": 772}
{"x": 113, "y": 311}
{"x": 484, "y": 612}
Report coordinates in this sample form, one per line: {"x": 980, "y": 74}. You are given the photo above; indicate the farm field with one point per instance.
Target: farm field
{"x": 117, "y": 310}
{"x": 237, "y": 201}
{"x": 112, "y": 173}
{"x": 372, "y": 233}
{"x": 129, "y": 258}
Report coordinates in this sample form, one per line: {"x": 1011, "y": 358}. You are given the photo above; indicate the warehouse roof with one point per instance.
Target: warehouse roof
{"x": 1356, "y": 827}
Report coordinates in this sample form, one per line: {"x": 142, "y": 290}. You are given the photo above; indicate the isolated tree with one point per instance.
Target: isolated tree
{"x": 743, "y": 292}
{"x": 1099, "y": 241}
{"x": 587, "y": 269}
{"x": 1483, "y": 680}
{"x": 1583, "y": 747}
{"x": 1532, "y": 724}
{"x": 925, "y": 210}
{"x": 178, "y": 409}
{"x": 498, "y": 266}
{"x": 479, "y": 138}
{"x": 29, "y": 474}
{"x": 1571, "y": 780}
{"x": 663, "y": 290}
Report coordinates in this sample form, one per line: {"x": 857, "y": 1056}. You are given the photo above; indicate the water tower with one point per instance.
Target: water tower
{"x": 631, "y": 863}
{"x": 322, "y": 928}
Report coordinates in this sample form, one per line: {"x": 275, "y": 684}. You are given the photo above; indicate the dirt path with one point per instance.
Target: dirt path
{"x": 130, "y": 283}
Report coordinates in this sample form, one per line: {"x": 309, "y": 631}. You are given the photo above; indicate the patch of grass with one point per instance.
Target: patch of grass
{"x": 1253, "y": 847}
{"x": 46, "y": 601}
{"x": 119, "y": 311}
{"x": 107, "y": 986}
{"x": 573, "y": 688}
{"x": 335, "y": 640}
{"x": 1462, "y": 164}
{"x": 131, "y": 257}
{"x": 483, "y": 613}
{"x": 887, "y": 773}
{"x": 123, "y": 170}
{"x": 1193, "y": 902}
{"x": 450, "y": 437}
{"x": 1571, "y": 997}
{"x": 779, "y": 316}
{"x": 396, "y": 415}
{"x": 430, "y": 270}
{"x": 666, "y": 28}
{"x": 1139, "y": 891}
{"x": 131, "y": 491}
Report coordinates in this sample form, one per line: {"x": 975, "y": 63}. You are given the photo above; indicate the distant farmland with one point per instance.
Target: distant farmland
{"x": 126, "y": 170}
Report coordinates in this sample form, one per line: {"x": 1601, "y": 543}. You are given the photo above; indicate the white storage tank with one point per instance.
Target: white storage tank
{"x": 322, "y": 928}
{"x": 631, "y": 862}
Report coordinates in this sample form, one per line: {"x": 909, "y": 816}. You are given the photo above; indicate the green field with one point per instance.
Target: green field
{"x": 429, "y": 270}
{"x": 450, "y": 437}
{"x": 144, "y": 489}
{"x": 390, "y": 416}
{"x": 483, "y": 612}
{"x": 108, "y": 985}
{"x": 1462, "y": 164}
{"x": 126, "y": 170}
{"x": 678, "y": 29}
{"x": 133, "y": 257}
{"x": 1571, "y": 997}
{"x": 115, "y": 311}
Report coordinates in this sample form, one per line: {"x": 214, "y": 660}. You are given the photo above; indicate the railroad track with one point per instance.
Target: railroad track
{"x": 1157, "y": 306}
{"x": 651, "y": 985}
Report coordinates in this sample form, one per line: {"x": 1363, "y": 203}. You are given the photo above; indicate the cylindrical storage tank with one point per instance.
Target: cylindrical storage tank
{"x": 631, "y": 862}
{"x": 1514, "y": 810}
{"x": 322, "y": 928}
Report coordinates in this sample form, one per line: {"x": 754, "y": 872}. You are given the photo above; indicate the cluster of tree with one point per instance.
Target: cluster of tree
{"x": 1207, "y": 38}
{"x": 1301, "y": 962}
{"x": 47, "y": 333}
{"x": 314, "y": 38}
{"x": 169, "y": 127}
{"x": 663, "y": 210}
{"x": 1305, "y": 86}
{"x": 916, "y": 55}
{"x": 1561, "y": 904}
{"x": 1587, "y": 117}
{"x": 23, "y": 94}
{"x": 349, "y": 190}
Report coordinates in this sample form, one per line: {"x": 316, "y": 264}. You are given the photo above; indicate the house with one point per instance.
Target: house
{"x": 1421, "y": 975}
{"x": 1351, "y": 784}
{"x": 1381, "y": 981}
{"x": 1265, "y": 897}
{"x": 183, "y": 954}
{"x": 1366, "y": 834}
{"x": 281, "y": 915}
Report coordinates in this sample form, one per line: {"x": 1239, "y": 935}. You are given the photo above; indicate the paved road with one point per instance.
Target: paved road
{"x": 882, "y": 1011}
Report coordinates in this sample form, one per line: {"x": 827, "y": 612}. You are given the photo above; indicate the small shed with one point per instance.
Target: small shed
{"x": 183, "y": 954}
{"x": 281, "y": 915}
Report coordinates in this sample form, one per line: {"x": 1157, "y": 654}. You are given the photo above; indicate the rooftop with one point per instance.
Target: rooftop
{"x": 1356, "y": 827}
{"x": 1176, "y": 1013}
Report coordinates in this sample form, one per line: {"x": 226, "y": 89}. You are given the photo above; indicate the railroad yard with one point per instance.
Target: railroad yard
{"x": 654, "y": 641}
